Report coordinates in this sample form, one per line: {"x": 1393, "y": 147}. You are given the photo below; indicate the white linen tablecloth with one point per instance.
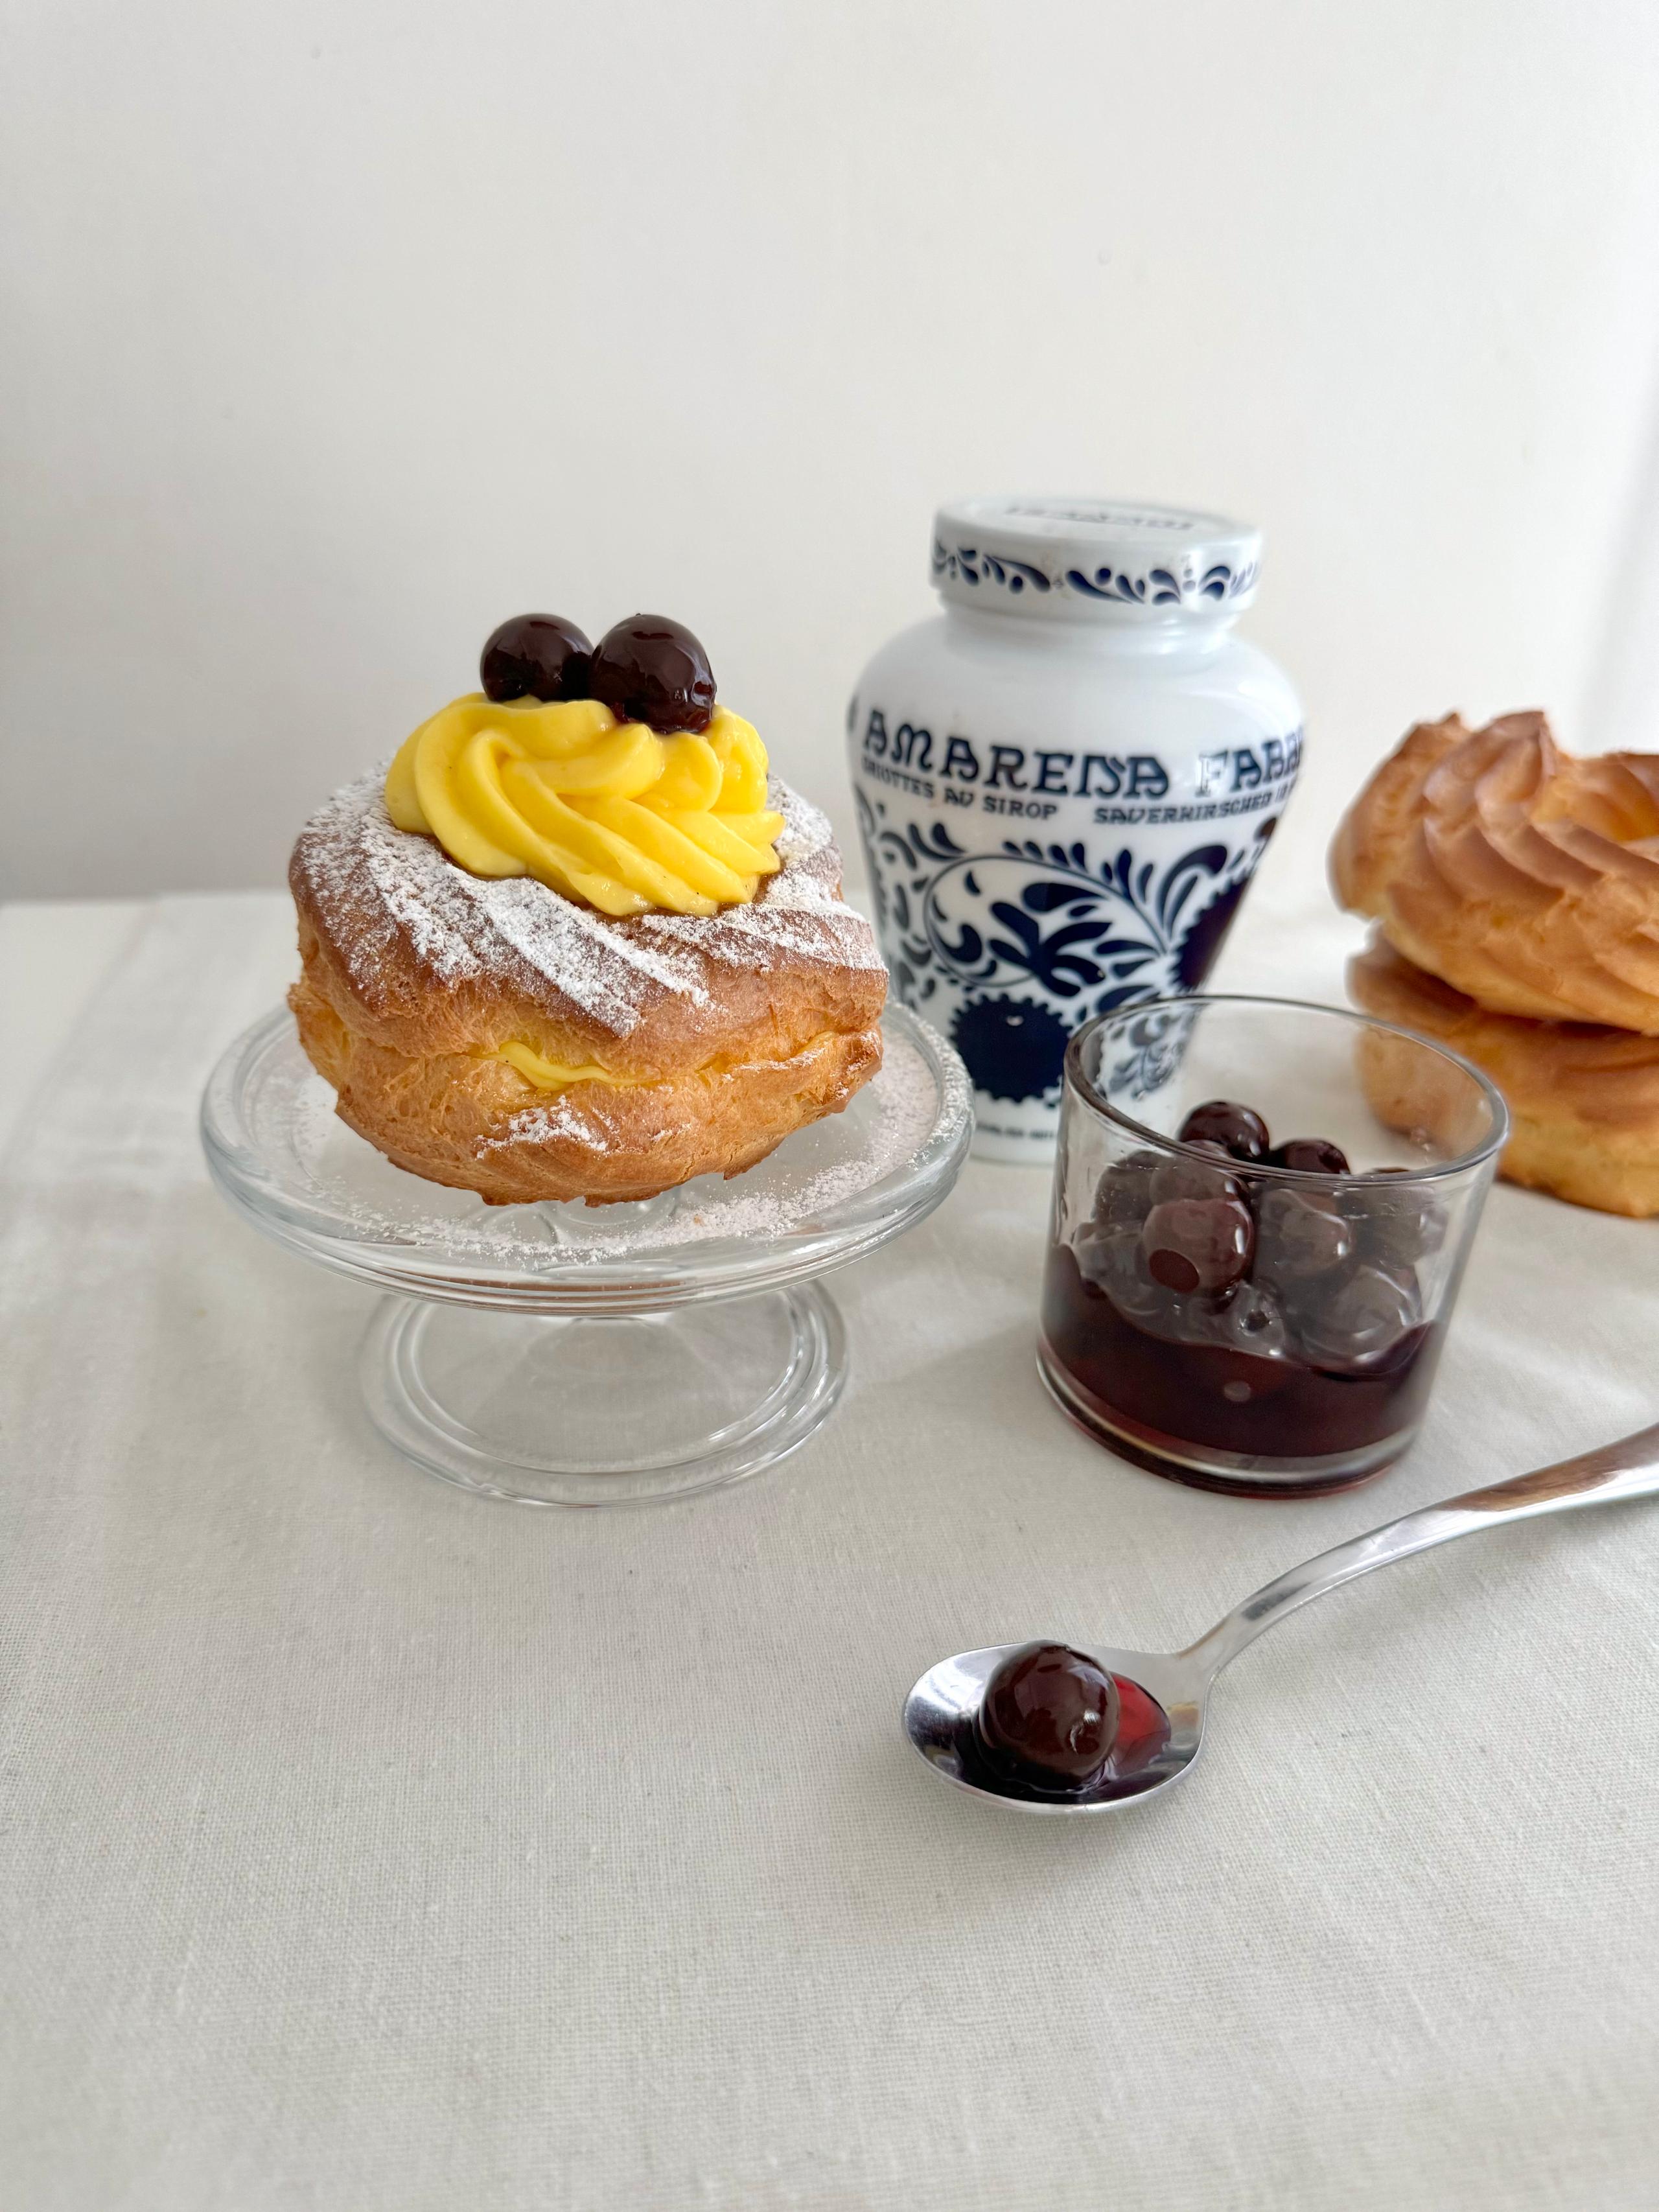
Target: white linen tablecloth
{"x": 365, "y": 1845}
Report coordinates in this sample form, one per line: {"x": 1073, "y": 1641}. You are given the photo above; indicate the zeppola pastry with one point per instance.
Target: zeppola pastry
{"x": 574, "y": 942}
{"x": 1525, "y": 879}
{"x": 1516, "y": 891}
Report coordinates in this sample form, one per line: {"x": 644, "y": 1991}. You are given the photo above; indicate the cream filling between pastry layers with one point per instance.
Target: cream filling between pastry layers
{"x": 559, "y": 1075}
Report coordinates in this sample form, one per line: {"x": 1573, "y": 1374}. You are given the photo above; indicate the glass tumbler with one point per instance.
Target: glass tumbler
{"x": 1226, "y": 1319}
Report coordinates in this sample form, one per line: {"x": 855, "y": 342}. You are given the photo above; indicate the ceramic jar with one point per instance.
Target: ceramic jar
{"x": 1065, "y": 781}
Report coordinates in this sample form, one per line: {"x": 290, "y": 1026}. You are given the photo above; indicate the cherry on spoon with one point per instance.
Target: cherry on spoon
{"x": 1162, "y": 1695}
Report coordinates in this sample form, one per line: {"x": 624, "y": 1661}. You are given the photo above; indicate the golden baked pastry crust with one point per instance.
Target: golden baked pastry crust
{"x": 1524, "y": 877}
{"x": 1583, "y": 1098}
{"x": 723, "y": 1033}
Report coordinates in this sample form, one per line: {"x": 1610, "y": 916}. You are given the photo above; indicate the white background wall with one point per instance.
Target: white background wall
{"x": 336, "y": 332}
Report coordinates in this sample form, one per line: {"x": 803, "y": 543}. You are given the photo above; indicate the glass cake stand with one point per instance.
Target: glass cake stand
{"x": 575, "y": 1355}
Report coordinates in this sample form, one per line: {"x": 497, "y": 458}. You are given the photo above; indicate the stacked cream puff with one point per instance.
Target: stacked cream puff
{"x": 1516, "y": 891}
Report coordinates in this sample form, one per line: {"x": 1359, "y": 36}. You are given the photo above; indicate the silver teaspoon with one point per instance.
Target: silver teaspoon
{"x": 1164, "y": 1694}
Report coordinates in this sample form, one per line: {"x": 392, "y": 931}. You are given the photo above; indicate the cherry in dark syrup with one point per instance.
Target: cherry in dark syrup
{"x": 651, "y": 669}
{"x": 536, "y": 657}
{"x": 1048, "y": 1716}
{"x": 1056, "y": 1722}
{"x": 1111, "y": 1258}
{"x": 1182, "y": 1177}
{"x": 1239, "y": 1130}
{"x": 1310, "y": 1156}
{"x": 1198, "y": 1244}
{"x": 1300, "y": 1236}
{"x": 1363, "y": 1323}
{"x": 1400, "y": 1226}
{"x": 1123, "y": 1197}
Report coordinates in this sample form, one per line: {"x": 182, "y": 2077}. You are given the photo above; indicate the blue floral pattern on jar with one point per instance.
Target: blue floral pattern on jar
{"x": 1033, "y": 940}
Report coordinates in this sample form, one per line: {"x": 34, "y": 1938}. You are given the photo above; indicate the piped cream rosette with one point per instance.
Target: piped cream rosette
{"x": 604, "y": 812}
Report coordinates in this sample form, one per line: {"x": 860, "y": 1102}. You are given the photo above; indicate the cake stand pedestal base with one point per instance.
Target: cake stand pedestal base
{"x": 564, "y": 1354}
{"x": 562, "y": 1409}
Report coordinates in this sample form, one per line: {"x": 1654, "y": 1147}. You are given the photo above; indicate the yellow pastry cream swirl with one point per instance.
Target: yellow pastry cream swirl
{"x": 604, "y": 812}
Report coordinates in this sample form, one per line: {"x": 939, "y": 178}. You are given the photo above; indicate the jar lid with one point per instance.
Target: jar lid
{"x": 1082, "y": 560}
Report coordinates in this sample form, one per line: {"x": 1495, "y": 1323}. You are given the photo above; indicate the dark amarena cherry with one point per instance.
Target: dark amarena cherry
{"x": 651, "y": 669}
{"x": 1399, "y": 1222}
{"x": 1365, "y": 1320}
{"x": 1180, "y": 1177}
{"x": 1300, "y": 1235}
{"x": 1049, "y": 1712}
{"x": 537, "y": 657}
{"x": 1109, "y": 1256}
{"x": 1123, "y": 1197}
{"x": 1240, "y": 1130}
{"x": 1198, "y": 1244}
{"x": 1310, "y": 1156}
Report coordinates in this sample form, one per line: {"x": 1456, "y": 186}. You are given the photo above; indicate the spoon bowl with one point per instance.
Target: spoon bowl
{"x": 940, "y": 1713}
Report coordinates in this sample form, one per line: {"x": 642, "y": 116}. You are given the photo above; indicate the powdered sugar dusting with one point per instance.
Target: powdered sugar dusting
{"x": 806, "y": 827}
{"x": 564, "y": 1117}
{"x": 376, "y": 884}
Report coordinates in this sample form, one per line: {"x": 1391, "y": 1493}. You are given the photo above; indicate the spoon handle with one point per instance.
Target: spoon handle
{"x": 1629, "y": 1469}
